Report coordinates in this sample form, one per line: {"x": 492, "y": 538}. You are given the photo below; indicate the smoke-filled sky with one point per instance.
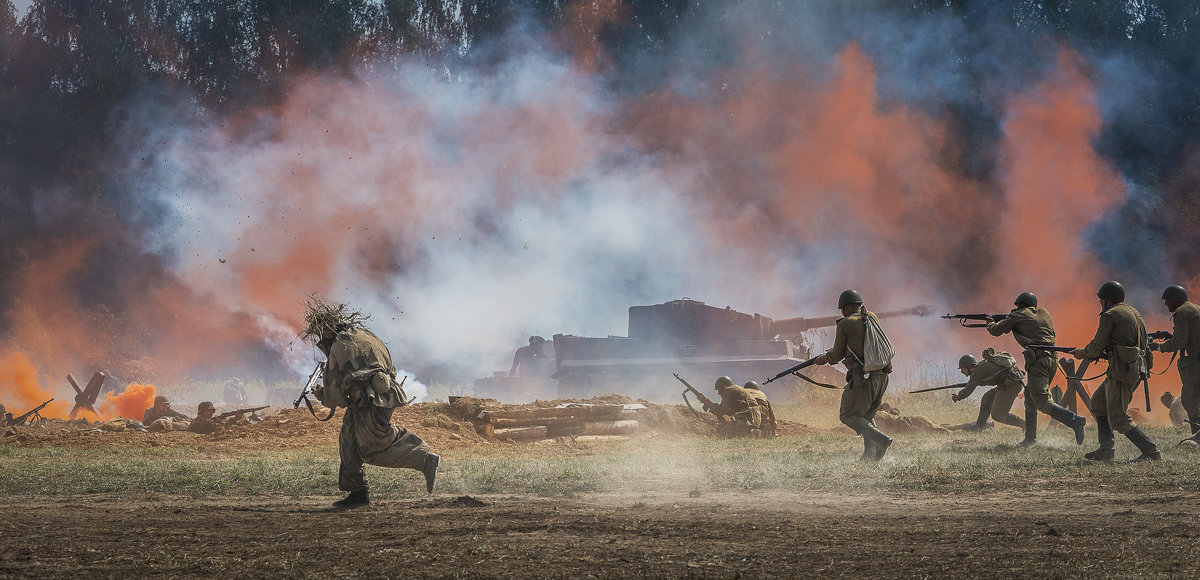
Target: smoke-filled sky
{"x": 763, "y": 158}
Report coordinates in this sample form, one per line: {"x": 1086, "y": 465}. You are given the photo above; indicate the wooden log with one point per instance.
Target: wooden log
{"x": 536, "y": 432}
{"x": 592, "y": 412}
{"x": 626, "y": 427}
{"x": 505, "y": 422}
{"x": 601, "y": 438}
{"x": 486, "y": 430}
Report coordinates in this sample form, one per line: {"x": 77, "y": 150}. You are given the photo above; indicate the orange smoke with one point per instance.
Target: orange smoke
{"x": 20, "y": 389}
{"x": 130, "y": 404}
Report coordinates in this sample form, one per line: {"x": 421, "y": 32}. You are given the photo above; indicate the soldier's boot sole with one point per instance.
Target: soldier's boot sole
{"x": 881, "y": 446}
{"x": 1100, "y": 455}
{"x": 430, "y": 471}
{"x": 1151, "y": 456}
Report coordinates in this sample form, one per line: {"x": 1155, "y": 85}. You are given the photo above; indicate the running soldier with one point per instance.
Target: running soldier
{"x": 1121, "y": 336}
{"x": 998, "y": 370}
{"x": 864, "y": 389}
{"x": 1185, "y": 339}
{"x": 359, "y": 376}
{"x": 1030, "y": 324}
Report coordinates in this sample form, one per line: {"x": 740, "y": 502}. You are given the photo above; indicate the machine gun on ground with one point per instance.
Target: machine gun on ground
{"x": 954, "y": 386}
{"x": 32, "y": 417}
{"x": 985, "y": 318}
{"x": 237, "y": 412}
{"x": 708, "y": 404}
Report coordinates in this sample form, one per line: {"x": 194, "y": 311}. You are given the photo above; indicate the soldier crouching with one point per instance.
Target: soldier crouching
{"x": 359, "y": 375}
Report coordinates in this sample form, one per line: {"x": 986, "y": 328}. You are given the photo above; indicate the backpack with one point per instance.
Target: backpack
{"x": 877, "y": 349}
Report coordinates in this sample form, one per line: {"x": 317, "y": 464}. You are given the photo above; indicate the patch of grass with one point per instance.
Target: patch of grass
{"x": 938, "y": 463}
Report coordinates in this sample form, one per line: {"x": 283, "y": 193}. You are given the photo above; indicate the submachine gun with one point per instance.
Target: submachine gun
{"x": 237, "y": 412}
{"x": 708, "y": 404}
{"x": 983, "y": 318}
{"x": 310, "y": 387}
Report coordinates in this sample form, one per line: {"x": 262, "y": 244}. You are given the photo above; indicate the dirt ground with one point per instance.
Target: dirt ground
{"x": 760, "y": 535}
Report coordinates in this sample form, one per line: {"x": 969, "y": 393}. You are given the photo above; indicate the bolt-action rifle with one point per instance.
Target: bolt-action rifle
{"x": 985, "y": 318}
{"x": 235, "y": 412}
{"x": 954, "y": 386}
{"x": 794, "y": 370}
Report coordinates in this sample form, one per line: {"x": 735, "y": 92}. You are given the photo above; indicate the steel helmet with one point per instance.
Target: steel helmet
{"x": 752, "y": 385}
{"x": 849, "y": 297}
{"x": 966, "y": 361}
{"x": 1175, "y": 294}
{"x": 1111, "y": 291}
{"x": 1026, "y": 298}
{"x": 723, "y": 382}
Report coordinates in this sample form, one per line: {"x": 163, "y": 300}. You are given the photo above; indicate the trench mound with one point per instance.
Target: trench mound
{"x": 443, "y": 425}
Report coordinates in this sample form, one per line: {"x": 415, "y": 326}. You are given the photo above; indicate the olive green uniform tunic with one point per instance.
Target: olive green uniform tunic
{"x": 864, "y": 390}
{"x": 1122, "y": 336}
{"x": 738, "y": 404}
{"x": 1032, "y": 325}
{"x": 1006, "y": 378}
{"x": 1185, "y": 339}
{"x": 359, "y": 375}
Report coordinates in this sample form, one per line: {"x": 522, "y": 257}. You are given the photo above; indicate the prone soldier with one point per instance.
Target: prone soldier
{"x": 205, "y": 423}
{"x": 998, "y": 370}
{"x": 1122, "y": 334}
{"x": 864, "y": 389}
{"x": 1031, "y": 324}
{"x": 1185, "y": 339}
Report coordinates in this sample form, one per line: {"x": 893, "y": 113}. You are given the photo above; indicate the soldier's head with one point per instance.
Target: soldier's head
{"x": 161, "y": 402}
{"x": 1025, "y": 299}
{"x": 752, "y": 385}
{"x": 206, "y": 409}
{"x": 1110, "y": 293}
{"x": 966, "y": 364}
{"x": 849, "y": 301}
{"x": 1174, "y": 297}
{"x": 723, "y": 383}
{"x": 324, "y": 320}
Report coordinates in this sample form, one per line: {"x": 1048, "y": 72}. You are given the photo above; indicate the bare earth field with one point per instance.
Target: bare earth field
{"x": 944, "y": 505}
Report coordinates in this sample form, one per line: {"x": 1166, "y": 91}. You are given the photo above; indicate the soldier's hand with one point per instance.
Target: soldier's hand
{"x": 954, "y": 397}
{"x": 1152, "y": 346}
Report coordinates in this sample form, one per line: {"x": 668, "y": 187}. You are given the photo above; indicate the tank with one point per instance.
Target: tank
{"x": 689, "y": 337}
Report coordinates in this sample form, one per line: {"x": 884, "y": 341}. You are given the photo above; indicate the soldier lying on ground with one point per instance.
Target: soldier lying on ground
{"x": 161, "y": 417}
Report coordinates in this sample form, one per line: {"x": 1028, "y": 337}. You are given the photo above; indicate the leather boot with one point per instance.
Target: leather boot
{"x": 1144, "y": 444}
{"x": 1104, "y": 432}
{"x": 1066, "y": 417}
{"x": 868, "y": 453}
{"x": 873, "y": 438}
{"x": 356, "y": 499}
{"x": 430, "y": 471}
{"x": 981, "y": 421}
{"x": 1013, "y": 420}
{"x": 1030, "y": 429}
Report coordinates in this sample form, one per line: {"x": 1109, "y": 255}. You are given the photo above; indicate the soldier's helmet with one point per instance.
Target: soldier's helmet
{"x": 849, "y": 297}
{"x": 1175, "y": 294}
{"x": 752, "y": 385}
{"x": 159, "y": 400}
{"x": 723, "y": 383}
{"x": 205, "y": 406}
{"x": 1028, "y": 298}
{"x": 966, "y": 361}
{"x": 1111, "y": 291}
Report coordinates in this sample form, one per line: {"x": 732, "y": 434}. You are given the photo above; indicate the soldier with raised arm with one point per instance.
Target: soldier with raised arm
{"x": 1185, "y": 339}
{"x": 1031, "y": 324}
{"x": 359, "y": 375}
{"x": 864, "y": 389}
{"x": 998, "y": 370}
{"x": 1121, "y": 336}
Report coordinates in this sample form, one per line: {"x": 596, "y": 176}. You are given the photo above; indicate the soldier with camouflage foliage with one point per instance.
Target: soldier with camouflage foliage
{"x": 359, "y": 375}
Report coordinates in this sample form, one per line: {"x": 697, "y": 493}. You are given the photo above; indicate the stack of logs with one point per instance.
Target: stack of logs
{"x": 566, "y": 420}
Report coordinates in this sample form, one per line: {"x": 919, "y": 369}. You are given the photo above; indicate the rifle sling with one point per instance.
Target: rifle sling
{"x": 817, "y": 383}
{"x": 314, "y": 413}
{"x": 1173, "y": 355}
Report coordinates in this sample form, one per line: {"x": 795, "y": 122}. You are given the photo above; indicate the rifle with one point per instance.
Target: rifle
{"x": 954, "y": 386}
{"x": 1160, "y": 335}
{"x": 986, "y": 318}
{"x": 228, "y": 414}
{"x": 794, "y": 370}
{"x": 32, "y": 416}
{"x": 1145, "y": 381}
{"x": 708, "y": 404}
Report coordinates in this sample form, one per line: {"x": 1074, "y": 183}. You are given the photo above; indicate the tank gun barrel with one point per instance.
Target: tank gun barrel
{"x": 798, "y": 325}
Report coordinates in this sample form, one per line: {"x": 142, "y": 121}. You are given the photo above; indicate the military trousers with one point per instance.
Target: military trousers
{"x": 1001, "y": 400}
{"x": 862, "y": 396}
{"x": 1040, "y": 368}
{"x": 1111, "y": 400}
{"x": 368, "y": 436}
{"x": 1189, "y": 378}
